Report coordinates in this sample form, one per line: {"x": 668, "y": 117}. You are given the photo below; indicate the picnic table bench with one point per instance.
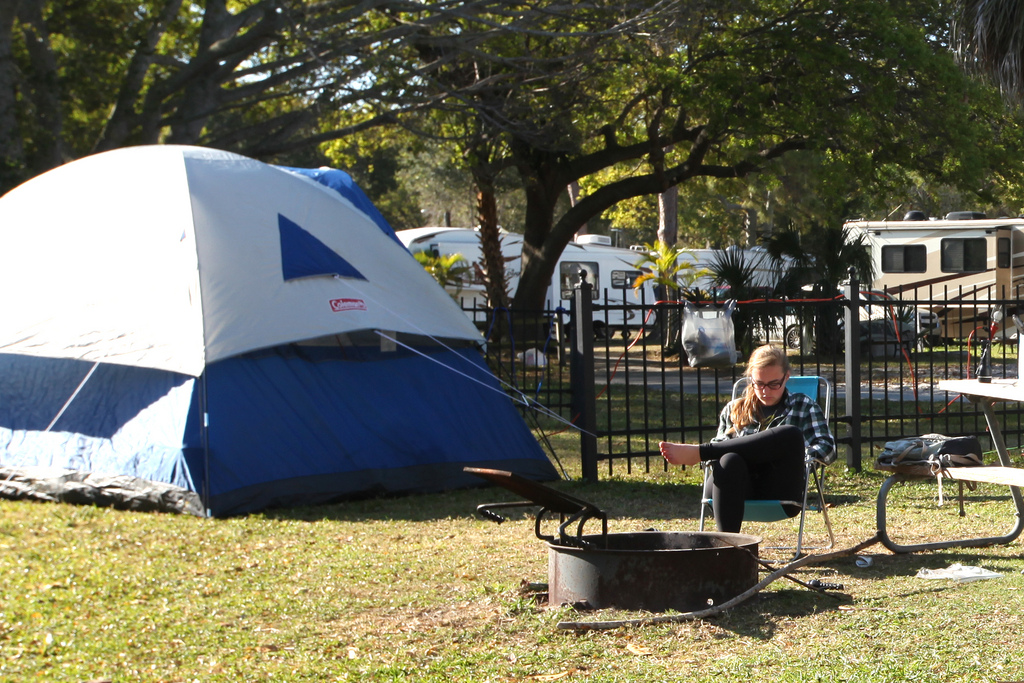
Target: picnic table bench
{"x": 985, "y": 394}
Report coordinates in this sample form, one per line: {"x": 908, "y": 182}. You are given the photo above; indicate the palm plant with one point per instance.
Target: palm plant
{"x": 672, "y": 273}
{"x": 988, "y": 37}
{"x": 823, "y": 257}
{"x": 668, "y": 268}
{"x": 449, "y": 270}
{"x": 734, "y": 271}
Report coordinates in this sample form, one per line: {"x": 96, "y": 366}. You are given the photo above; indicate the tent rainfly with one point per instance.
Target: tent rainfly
{"x": 251, "y": 333}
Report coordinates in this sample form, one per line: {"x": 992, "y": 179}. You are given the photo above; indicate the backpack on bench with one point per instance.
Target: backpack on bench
{"x": 935, "y": 450}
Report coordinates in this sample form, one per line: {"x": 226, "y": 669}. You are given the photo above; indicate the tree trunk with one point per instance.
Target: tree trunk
{"x": 12, "y": 152}
{"x": 491, "y": 245}
{"x": 750, "y": 226}
{"x": 668, "y": 216}
{"x": 541, "y": 249}
{"x": 668, "y": 234}
{"x": 45, "y": 92}
{"x": 574, "y": 196}
{"x": 672, "y": 334}
{"x": 123, "y": 119}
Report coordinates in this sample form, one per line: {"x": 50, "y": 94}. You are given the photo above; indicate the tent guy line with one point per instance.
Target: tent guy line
{"x": 523, "y": 399}
{"x": 71, "y": 398}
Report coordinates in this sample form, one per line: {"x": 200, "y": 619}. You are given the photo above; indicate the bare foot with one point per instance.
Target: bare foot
{"x": 680, "y": 453}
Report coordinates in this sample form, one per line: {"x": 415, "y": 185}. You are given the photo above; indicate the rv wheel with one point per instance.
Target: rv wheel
{"x": 792, "y": 337}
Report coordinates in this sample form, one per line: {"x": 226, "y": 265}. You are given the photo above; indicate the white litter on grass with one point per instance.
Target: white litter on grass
{"x": 958, "y": 572}
{"x": 532, "y": 358}
{"x": 863, "y": 561}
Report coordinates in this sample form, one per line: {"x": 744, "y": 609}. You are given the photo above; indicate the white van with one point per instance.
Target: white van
{"x": 609, "y": 269}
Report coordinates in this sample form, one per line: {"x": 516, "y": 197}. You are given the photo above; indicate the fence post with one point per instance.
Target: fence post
{"x": 581, "y": 374}
{"x": 852, "y": 320}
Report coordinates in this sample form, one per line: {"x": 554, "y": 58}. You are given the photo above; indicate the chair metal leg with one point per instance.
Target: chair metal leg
{"x": 703, "y": 500}
{"x": 808, "y": 473}
{"x": 819, "y": 482}
{"x": 818, "y": 475}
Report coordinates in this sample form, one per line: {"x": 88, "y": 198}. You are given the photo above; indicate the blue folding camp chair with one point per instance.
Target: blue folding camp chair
{"x": 820, "y": 389}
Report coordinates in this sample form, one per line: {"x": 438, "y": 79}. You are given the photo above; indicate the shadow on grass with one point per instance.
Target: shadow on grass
{"x": 673, "y": 505}
{"x": 758, "y": 617}
{"x": 885, "y": 565}
{"x": 617, "y": 499}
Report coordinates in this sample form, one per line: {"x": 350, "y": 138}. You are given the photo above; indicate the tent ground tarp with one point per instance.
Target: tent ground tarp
{"x": 57, "y": 485}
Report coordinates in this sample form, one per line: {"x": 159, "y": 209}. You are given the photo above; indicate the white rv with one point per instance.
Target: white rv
{"x": 963, "y": 261}
{"x": 609, "y": 269}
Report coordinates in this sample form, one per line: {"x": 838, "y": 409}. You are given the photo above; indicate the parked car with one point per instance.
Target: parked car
{"x": 884, "y": 319}
{"x": 916, "y": 323}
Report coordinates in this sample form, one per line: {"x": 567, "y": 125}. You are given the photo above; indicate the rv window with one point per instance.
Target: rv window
{"x": 624, "y": 279}
{"x": 569, "y": 277}
{"x": 904, "y": 258}
{"x": 963, "y": 255}
{"x": 1003, "y": 252}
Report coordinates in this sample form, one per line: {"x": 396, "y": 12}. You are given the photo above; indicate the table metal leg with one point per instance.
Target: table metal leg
{"x": 883, "y": 532}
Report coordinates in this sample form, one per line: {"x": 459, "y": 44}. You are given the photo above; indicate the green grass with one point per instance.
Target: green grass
{"x": 420, "y": 588}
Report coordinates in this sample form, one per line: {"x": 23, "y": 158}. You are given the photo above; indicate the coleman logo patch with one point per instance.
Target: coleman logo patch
{"x": 338, "y": 305}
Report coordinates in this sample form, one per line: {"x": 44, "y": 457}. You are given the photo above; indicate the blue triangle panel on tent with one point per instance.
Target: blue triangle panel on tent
{"x": 303, "y": 255}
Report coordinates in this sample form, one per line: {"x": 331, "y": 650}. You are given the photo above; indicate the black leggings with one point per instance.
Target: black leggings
{"x": 769, "y": 465}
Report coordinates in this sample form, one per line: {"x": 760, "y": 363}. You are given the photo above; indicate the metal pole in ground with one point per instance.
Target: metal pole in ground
{"x": 581, "y": 375}
{"x": 852, "y": 314}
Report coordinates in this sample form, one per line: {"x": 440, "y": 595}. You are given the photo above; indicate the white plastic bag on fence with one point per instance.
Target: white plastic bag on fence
{"x": 709, "y": 337}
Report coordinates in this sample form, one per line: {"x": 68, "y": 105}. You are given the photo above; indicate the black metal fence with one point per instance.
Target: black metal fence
{"x": 630, "y": 388}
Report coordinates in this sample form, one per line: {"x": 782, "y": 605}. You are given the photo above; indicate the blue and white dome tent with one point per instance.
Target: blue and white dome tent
{"x": 244, "y": 331}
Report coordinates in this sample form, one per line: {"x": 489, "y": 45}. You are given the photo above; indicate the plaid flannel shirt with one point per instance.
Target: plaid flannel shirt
{"x": 799, "y": 410}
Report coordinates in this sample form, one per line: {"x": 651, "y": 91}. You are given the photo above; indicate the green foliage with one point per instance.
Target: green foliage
{"x": 736, "y": 271}
{"x": 895, "y": 82}
{"x": 375, "y": 159}
{"x": 636, "y": 217}
{"x": 823, "y": 256}
{"x": 448, "y": 269}
{"x": 768, "y": 115}
{"x": 666, "y": 266}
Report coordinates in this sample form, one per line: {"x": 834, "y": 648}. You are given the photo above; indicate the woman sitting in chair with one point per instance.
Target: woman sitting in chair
{"x": 764, "y": 440}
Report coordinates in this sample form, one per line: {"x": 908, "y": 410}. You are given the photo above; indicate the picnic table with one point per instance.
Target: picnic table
{"x": 986, "y": 395}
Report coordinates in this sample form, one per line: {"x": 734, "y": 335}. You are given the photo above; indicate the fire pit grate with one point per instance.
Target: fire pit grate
{"x": 570, "y": 510}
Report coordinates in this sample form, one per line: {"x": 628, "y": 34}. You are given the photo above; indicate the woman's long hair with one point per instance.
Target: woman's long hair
{"x": 746, "y": 409}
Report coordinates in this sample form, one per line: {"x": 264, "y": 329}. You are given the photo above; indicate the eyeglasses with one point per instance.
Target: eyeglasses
{"x": 774, "y": 385}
